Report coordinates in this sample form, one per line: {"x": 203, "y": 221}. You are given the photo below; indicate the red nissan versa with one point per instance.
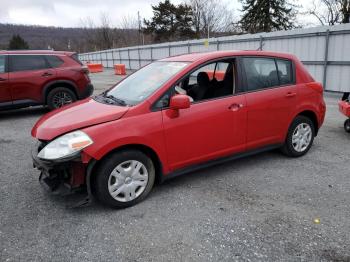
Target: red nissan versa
{"x": 50, "y": 78}
{"x": 174, "y": 116}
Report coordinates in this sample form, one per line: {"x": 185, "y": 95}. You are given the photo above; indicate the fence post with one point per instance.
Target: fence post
{"x": 129, "y": 59}
{"x": 188, "y": 47}
{"x": 261, "y": 44}
{"x": 169, "y": 50}
{"x": 101, "y": 57}
{"x": 113, "y": 58}
{"x": 138, "y": 51}
{"x": 324, "y": 82}
{"x": 217, "y": 45}
{"x": 120, "y": 57}
{"x": 151, "y": 53}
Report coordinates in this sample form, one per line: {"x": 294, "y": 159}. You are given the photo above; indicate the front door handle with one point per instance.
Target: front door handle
{"x": 290, "y": 94}
{"x": 46, "y": 74}
{"x": 235, "y": 107}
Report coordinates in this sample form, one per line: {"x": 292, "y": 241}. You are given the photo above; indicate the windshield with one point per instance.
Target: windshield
{"x": 140, "y": 85}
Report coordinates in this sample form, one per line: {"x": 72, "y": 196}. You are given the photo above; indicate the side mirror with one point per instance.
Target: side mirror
{"x": 180, "y": 102}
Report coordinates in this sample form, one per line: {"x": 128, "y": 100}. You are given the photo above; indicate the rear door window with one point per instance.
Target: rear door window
{"x": 2, "y": 64}
{"x": 260, "y": 73}
{"x": 27, "y": 62}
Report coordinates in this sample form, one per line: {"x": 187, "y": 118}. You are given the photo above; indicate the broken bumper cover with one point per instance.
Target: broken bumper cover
{"x": 61, "y": 176}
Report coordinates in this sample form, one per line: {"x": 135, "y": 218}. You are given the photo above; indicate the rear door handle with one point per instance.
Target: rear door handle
{"x": 235, "y": 107}
{"x": 290, "y": 94}
{"x": 46, "y": 74}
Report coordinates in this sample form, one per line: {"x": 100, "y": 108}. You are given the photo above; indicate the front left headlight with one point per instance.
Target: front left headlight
{"x": 65, "y": 146}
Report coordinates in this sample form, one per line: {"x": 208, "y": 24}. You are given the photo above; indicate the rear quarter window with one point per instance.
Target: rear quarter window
{"x": 54, "y": 61}
{"x": 285, "y": 71}
{"x": 76, "y": 59}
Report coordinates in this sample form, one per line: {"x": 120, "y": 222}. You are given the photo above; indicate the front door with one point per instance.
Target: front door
{"x": 215, "y": 124}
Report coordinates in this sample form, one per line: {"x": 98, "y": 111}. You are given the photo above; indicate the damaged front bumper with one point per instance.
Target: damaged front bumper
{"x": 63, "y": 176}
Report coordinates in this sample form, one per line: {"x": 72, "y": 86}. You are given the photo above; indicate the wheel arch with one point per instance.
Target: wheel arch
{"x": 59, "y": 83}
{"x": 312, "y": 116}
{"x": 148, "y": 151}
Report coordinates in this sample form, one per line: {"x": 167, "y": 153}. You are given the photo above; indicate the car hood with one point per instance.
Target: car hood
{"x": 84, "y": 113}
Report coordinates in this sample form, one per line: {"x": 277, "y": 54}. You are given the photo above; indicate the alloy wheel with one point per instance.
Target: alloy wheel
{"x": 61, "y": 98}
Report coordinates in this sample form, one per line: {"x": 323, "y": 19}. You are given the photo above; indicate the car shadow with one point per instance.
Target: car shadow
{"x": 188, "y": 180}
{"x": 23, "y": 112}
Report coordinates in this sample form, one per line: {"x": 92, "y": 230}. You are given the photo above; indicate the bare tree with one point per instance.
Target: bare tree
{"x": 129, "y": 22}
{"x": 89, "y": 29}
{"x": 212, "y": 16}
{"x": 331, "y": 12}
{"x": 106, "y": 35}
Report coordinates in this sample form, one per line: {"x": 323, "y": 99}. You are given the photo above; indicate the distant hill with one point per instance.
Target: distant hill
{"x": 58, "y": 38}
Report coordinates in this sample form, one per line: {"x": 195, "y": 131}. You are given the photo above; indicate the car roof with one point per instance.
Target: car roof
{"x": 34, "y": 52}
{"x": 220, "y": 54}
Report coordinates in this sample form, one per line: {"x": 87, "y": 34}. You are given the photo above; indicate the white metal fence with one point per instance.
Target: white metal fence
{"x": 324, "y": 50}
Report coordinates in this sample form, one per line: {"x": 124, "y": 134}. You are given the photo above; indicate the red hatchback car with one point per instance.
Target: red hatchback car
{"x": 50, "y": 78}
{"x": 174, "y": 116}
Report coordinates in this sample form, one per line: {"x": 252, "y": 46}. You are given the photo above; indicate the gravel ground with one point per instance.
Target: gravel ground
{"x": 260, "y": 208}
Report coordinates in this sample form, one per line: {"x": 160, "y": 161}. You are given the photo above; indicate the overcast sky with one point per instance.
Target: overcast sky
{"x": 69, "y": 13}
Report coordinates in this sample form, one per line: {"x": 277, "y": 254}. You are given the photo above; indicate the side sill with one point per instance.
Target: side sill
{"x": 218, "y": 161}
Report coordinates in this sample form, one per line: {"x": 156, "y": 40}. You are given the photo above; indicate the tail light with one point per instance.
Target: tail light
{"x": 85, "y": 70}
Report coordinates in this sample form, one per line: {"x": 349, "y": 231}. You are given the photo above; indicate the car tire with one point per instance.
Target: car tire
{"x": 300, "y": 137}
{"x": 347, "y": 125}
{"x": 123, "y": 179}
{"x": 60, "y": 96}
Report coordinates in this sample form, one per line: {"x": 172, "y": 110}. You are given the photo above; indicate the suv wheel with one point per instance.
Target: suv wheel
{"x": 347, "y": 125}
{"x": 124, "y": 179}
{"x": 300, "y": 137}
{"x": 59, "y": 97}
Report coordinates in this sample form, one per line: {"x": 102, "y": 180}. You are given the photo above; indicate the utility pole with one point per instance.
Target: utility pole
{"x": 208, "y": 28}
{"x": 140, "y": 33}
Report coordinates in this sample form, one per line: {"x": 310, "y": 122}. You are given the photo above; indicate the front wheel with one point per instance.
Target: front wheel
{"x": 124, "y": 179}
{"x": 300, "y": 137}
{"x": 347, "y": 125}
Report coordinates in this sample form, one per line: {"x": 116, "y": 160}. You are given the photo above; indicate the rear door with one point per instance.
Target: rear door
{"x": 271, "y": 99}
{"x": 5, "y": 94}
{"x": 28, "y": 75}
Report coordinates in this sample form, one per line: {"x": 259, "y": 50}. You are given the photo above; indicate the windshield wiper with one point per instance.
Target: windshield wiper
{"x": 115, "y": 99}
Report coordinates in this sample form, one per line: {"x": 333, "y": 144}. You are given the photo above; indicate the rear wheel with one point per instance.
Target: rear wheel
{"x": 60, "y": 96}
{"x": 124, "y": 179}
{"x": 300, "y": 137}
{"x": 347, "y": 125}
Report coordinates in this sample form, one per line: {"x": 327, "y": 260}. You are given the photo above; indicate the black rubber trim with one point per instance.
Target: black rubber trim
{"x": 89, "y": 89}
{"x": 218, "y": 161}
{"x": 48, "y": 85}
{"x": 18, "y": 104}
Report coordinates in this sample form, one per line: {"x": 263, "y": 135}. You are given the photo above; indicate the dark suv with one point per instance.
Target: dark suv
{"x": 49, "y": 78}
